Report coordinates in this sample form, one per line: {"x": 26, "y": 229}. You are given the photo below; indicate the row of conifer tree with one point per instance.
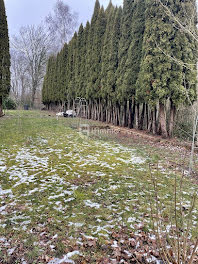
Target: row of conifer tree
{"x": 132, "y": 64}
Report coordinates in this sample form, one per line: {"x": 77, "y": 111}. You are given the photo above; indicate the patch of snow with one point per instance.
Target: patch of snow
{"x": 66, "y": 258}
{"x": 23, "y": 261}
{"x": 115, "y": 244}
{"x": 91, "y": 204}
{"x": 56, "y": 196}
{"x": 3, "y": 168}
{"x": 114, "y": 187}
{"x": 11, "y": 251}
{"x": 5, "y": 192}
{"x": 69, "y": 200}
{"x": 131, "y": 219}
{"x": 25, "y": 157}
{"x": 76, "y": 224}
{"x": 2, "y": 239}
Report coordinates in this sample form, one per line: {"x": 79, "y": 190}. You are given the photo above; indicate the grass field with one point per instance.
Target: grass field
{"x": 64, "y": 195}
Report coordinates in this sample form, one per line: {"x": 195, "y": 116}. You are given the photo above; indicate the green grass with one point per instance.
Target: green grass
{"x": 57, "y": 184}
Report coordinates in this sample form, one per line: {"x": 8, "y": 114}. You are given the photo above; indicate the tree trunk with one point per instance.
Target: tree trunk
{"x": 162, "y": 120}
{"x": 133, "y": 113}
{"x": 147, "y": 116}
{"x": 172, "y": 118}
{"x": 137, "y": 114}
{"x": 141, "y": 124}
{"x": 125, "y": 123}
{"x": 1, "y": 106}
{"x": 154, "y": 126}
{"x": 130, "y": 125}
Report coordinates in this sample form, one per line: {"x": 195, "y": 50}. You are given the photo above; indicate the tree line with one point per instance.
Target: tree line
{"x": 133, "y": 65}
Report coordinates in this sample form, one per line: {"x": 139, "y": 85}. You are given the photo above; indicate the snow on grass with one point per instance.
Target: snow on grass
{"x": 5, "y": 192}
{"x": 69, "y": 184}
{"x": 91, "y": 204}
{"x": 66, "y": 258}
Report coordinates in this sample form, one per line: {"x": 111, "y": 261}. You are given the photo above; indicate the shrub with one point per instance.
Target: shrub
{"x": 9, "y": 104}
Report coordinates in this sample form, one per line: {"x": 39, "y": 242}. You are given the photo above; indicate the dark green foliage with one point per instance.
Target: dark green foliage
{"x": 124, "y": 44}
{"x": 134, "y": 55}
{"x": 129, "y": 63}
{"x": 156, "y": 67}
{"x": 106, "y": 62}
{"x": 9, "y": 104}
{"x": 98, "y": 29}
{"x": 4, "y": 55}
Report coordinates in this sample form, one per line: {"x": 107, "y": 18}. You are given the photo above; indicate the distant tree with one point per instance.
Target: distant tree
{"x": 20, "y": 81}
{"x": 35, "y": 46}
{"x": 48, "y": 83}
{"x": 4, "y": 56}
{"x": 61, "y": 24}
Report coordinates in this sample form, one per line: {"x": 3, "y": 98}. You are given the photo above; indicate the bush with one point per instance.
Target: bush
{"x": 9, "y": 104}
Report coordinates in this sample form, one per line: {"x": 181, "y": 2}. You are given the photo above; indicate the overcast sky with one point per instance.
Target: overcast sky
{"x": 28, "y": 12}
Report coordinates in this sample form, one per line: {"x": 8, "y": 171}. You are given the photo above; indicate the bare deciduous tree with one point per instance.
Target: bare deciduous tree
{"x": 34, "y": 44}
{"x": 61, "y": 23}
{"x": 19, "y": 77}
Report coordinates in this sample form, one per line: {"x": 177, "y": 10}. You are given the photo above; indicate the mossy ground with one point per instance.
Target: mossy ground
{"x": 58, "y": 184}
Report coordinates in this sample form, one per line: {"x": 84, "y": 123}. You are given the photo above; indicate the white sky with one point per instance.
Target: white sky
{"x": 28, "y": 12}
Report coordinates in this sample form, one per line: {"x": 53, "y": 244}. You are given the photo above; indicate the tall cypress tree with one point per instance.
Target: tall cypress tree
{"x": 125, "y": 41}
{"x": 79, "y": 65}
{"x": 96, "y": 56}
{"x": 63, "y": 74}
{"x": 134, "y": 56}
{"x": 48, "y": 84}
{"x": 111, "y": 65}
{"x": 90, "y": 51}
{"x": 155, "y": 74}
{"x": 114, "y": 54}
{"x": 160, "y": 77}
{"x": 84, "y": 55}
{"x": 72, "y": 64}
{"x": 106, "y": 51}
{"x": 4, "y": 56}
{"x": 184, "y": 50}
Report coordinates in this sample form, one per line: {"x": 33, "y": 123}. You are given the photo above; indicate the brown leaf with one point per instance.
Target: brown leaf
{"x": 138, "y": 256}
{"x": 133, "y": 242}
{"x": 47, "y": 258}
{"x": 91, "y": 243}
{"x": 117, "y": 252}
